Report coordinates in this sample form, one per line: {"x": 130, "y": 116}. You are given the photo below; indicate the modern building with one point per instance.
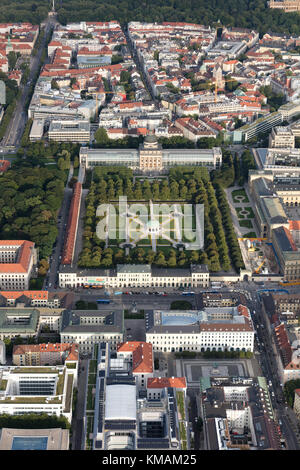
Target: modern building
{"x": 17, "y": 260}
{"x": 89, "y": 327}
{"x": 261, "y": 125}
{"x": 34, "y": 439}
{"x": 281, "y": 137}
{"x": 37, "y": 390}
{"x": 125, "y": 418}
{"x": 150, "y": 157}
{"x": 213, "y": 329}
{"x": 297, "y": 403}
{"x": 2, "y": 353}
{"x": 69, "y": 131}
{"x": 135, "y": 275}
{"x": 37, "y": 130}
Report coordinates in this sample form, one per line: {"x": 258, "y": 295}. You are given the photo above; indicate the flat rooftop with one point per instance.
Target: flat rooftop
{"x": 34, "y": 439}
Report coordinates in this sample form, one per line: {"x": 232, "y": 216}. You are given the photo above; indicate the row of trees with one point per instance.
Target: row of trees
{"x": 232, "y": 242}
{"x": 103, "y": 141}
{"x": 183, "y": 185}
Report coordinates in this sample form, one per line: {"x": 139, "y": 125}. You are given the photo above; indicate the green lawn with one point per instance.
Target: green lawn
{"x": 239, "y": 192}
{"x": 246, "y": 223}
{"x": 90, "y": 399}
{"x": 241, "y": 215}
{"x": 180, "y": 403}
{"x": 250, "y": 235}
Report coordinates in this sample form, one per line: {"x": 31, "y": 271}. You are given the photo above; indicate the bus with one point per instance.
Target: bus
{"x": 216, "y": 285}
{"x": 188, "y": 293}
{"x": 103, "y": 301}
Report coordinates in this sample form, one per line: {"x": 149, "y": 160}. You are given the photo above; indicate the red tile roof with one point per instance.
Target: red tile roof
{"x": 70, "y": 238}
{"x": 25, "y": 253}
{"x": 32, "y": 294}
{"x": 4, "y": 165}
{"x": 163, "y": 382}
{"x": 142, "y": 355}
{"x": 72, "y": 349}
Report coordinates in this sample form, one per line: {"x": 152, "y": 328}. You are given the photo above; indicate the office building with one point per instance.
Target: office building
{"x": 37, "y": 390}
{"x": 69, "y": 131}
{"x": 17, "y": 260}
{"x": 89, "y": 327}
{"x": 281, "y": 137}
{"x": 213, "y": 329}
{"x": 124, "y": 418}
{"x": 135, "y": 275}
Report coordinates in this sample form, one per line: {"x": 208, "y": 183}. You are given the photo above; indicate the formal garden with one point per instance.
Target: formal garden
{"x": 184, "y": 185}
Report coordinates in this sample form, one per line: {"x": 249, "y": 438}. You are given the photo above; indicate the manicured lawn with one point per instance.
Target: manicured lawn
{"x": 241, "y": 215}
{"x": 180, "y": 403}
{"x": 250, "y": 235}
{"x": 90, "y": 399}
{"x": 239, "y": 192}
{"x": 246, "y": 223}
{"x": 93, "y": 366}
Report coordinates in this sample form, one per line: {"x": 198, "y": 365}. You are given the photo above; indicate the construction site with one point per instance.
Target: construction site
{"x": 258, "y": 255}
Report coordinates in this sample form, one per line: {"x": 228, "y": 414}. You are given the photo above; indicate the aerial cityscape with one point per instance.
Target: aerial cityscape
{"x": 149, "y": 227}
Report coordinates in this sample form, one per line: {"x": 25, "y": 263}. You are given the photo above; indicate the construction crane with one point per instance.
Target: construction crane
{"x": 258, "y": 269}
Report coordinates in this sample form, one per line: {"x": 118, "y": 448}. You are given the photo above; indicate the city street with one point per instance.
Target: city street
{"x": 17, "y": 123}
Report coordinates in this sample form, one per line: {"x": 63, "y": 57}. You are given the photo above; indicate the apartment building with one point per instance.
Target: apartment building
{"x": 45, "y": 354}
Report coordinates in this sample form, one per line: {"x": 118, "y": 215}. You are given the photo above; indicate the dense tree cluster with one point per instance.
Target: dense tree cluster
{"x": 39, "y": 154}
{"x": 289, "y": 391}
{"x": 275, "y": 100}
{"x": 240, "y": 13}
{"x": 29, "y": 203}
